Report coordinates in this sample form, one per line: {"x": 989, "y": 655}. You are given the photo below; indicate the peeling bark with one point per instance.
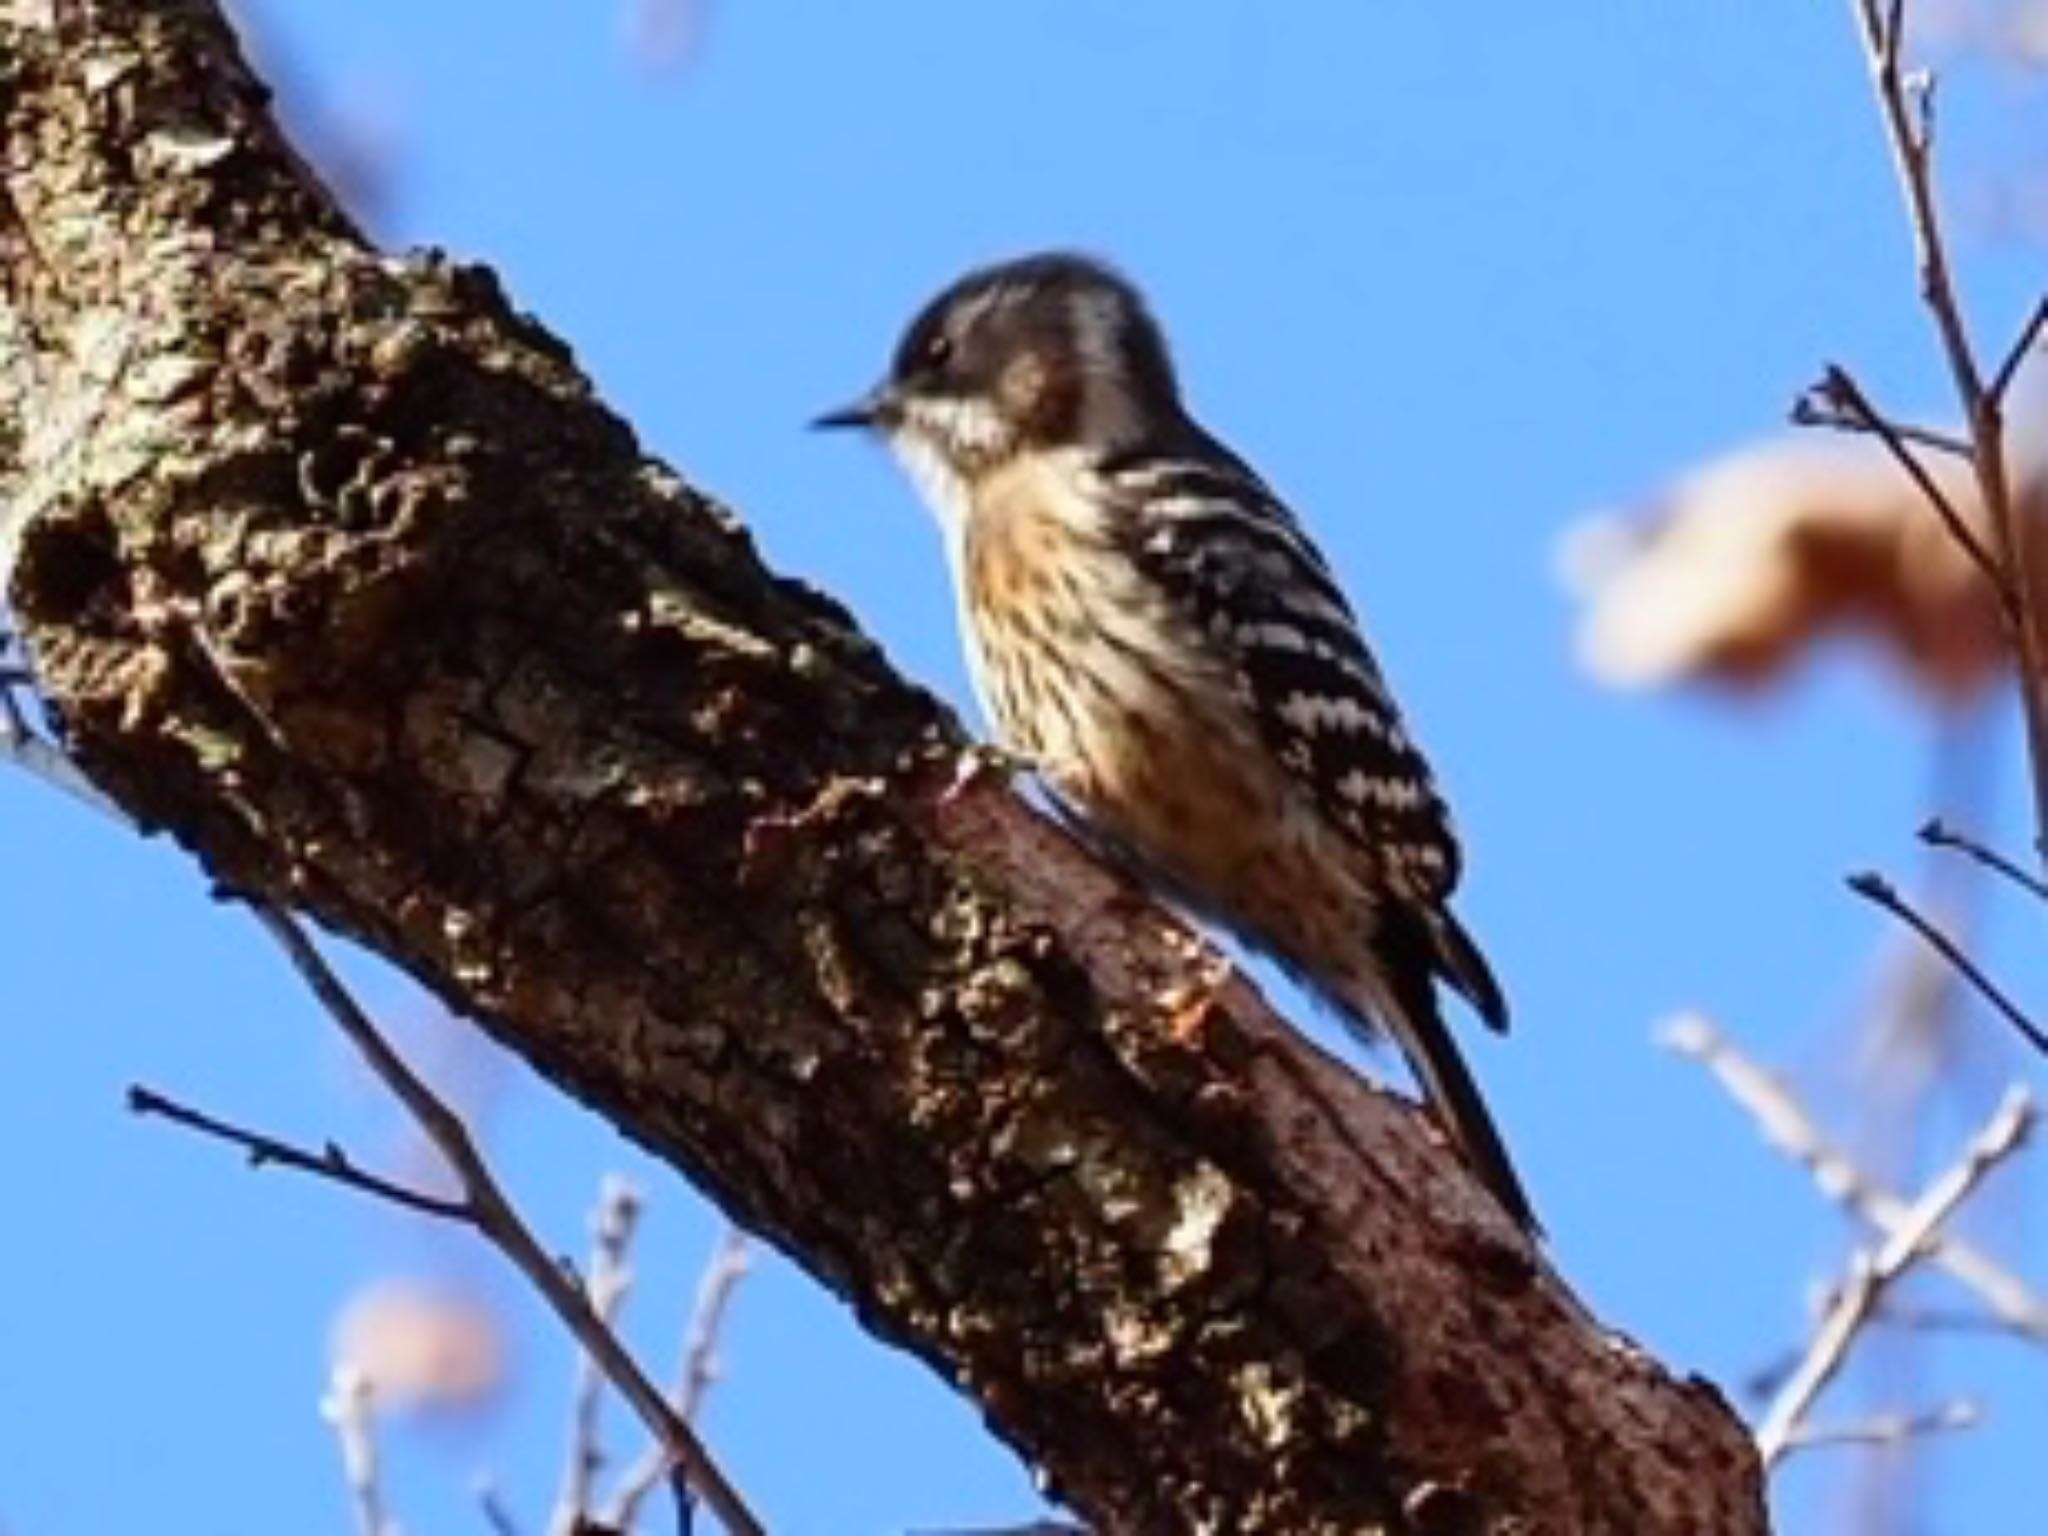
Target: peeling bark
{"x": 337, "y": 572}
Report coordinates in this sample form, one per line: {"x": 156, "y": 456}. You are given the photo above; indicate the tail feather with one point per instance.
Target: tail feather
{"x": 1403, "y": 1001}
{"x": 1455, "y": 1099}
{"x": 1465, "y": 968}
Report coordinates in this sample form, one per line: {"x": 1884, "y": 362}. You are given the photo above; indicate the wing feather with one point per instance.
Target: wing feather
{"x": 1211, "y": 533}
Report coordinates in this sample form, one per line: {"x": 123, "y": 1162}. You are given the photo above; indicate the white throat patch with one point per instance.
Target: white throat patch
{"x": 935, "y": 440}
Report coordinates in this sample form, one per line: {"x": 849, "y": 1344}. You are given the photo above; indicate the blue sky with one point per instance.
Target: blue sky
{"x": 1452, "y": 276}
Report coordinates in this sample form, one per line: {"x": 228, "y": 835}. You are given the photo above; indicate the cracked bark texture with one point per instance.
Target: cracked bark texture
{"x": 336, "y": 572}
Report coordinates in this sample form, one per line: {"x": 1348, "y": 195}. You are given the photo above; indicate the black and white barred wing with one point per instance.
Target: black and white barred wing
{"x": 1221, "y": 542}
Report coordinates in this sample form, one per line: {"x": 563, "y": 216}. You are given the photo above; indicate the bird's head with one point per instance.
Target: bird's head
{"x": 1048, "y": 352}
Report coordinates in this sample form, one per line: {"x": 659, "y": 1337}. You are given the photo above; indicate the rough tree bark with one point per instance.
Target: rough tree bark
{"x": 336, "y": 572}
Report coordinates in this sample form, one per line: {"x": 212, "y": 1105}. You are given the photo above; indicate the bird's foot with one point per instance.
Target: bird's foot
{"x": 980, "y": 760}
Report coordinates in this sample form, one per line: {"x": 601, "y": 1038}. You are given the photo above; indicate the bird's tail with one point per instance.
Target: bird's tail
{"x": 1404, "y": 1002}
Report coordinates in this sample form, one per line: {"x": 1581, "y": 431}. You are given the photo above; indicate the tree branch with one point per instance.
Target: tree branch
{"x": 727, "y": 1266}
{"x": 1877, "y": 890}
{"x": 1872, "y": 1274}
{"x": 23, "y": 746}
{"x": 348, "y": 1408}
{"x": 1785, "y": 1125}
{"x": 2023, "y": 342}
{"x": 1839, "y": 398}
{"x": 1939, "y": 834}
{"x": 607, "y": 1278}
{"x": 1890, "y": 1429}
{"x": 331, "y": 1162}
{"x": 1818, "y": 406}
{"x": 337, "y": 573}
{"x": 1906, "y": 104}
{"x": 486, "y": 1209}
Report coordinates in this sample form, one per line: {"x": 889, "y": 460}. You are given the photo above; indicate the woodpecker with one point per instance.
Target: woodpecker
{"x": 1149, "y": 627}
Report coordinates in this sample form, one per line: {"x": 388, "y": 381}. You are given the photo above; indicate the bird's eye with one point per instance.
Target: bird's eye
{"x": 938, "y": 351}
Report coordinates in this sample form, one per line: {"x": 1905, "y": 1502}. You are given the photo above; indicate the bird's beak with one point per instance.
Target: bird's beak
{"x": 874, "y": 410}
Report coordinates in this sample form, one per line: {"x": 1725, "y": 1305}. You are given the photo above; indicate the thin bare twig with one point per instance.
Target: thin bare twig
{"x": 330, "y": 1162}
{"x": 1871, "y": 1274}
{"x": 610, "y": 1277}
{"x": 1814, "y": 409}
{"x": 728, "y": 1264}
{"x": 492, "y": 1507}
{"x": 702, "y": 1367}
{"x": 1939, "y": 834}
{"x": 1894, "y": 36}
{"x": 1785, "y": 1125}
{"x": 22, "y": 745}
{"x": 1890, "y": 1428}
{"x": 1906, "y": 103}
{"x": 1875, "y": 888}
{"x": 348, "y": 1407}
{"x": 2016, "y": 354}
{"x": 1839, "y": 390}
{"x": 485, "y": 1208}
{"x": 1952, "y": 1320}
{"x": 495, "y": 1218}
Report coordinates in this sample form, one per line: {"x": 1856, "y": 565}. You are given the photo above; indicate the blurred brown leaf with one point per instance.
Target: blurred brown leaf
{"x": 1751, "y": 561}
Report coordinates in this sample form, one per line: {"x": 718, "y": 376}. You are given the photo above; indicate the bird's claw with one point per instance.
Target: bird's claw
{"x": 979, "y": 760}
